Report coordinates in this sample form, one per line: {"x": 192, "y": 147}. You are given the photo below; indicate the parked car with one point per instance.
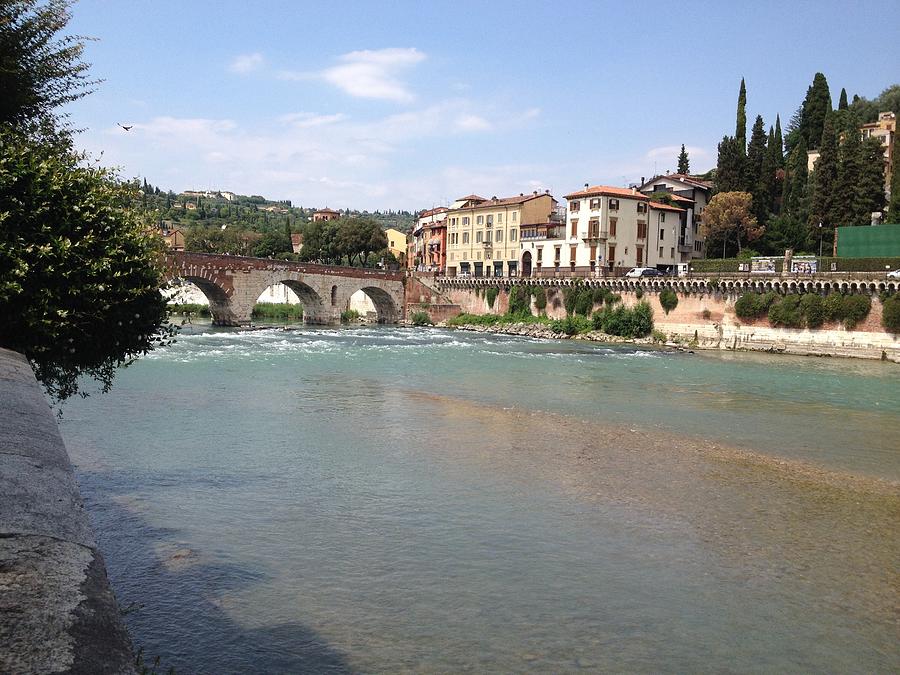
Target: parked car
{"x": 643, "y": 272}
{"x": 895, "y": 274}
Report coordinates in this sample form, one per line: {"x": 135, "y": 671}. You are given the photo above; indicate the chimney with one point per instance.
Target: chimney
{"x": 587, "y": 185}
{"x": 633, "y": 191}
{"x": 642, "y": 180}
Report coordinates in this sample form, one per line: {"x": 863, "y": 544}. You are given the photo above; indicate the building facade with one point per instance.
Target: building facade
{"x": 396, "y": 243}
{"x": 688, "y": 193}
{"x": 483, "y": 234}
{"x": 885, "y": 128}
{"x": 325, "y": 214}
{"x": 428, "y": 243}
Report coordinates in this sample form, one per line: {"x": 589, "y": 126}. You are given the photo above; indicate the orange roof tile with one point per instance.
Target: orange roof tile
{"x": 607, "y": 191}
{"x": 665, "y": 207}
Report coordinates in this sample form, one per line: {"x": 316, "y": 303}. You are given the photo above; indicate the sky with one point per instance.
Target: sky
{"x": 408, "y": 105}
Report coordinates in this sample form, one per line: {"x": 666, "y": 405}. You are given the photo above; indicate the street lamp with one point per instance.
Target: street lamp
{"x": 820, "y": 238}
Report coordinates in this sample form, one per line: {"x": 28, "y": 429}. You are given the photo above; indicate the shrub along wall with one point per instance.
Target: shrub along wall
{"x": 808, "y": 310}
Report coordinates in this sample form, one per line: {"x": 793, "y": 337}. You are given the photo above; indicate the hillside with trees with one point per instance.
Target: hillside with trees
{"x": 793, "y": 207}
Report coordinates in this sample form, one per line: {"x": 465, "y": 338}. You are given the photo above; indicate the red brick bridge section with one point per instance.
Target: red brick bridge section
{"x": 233, "y": 283}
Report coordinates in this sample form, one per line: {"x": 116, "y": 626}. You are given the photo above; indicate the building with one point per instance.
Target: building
{"x": 173, "y": 237}
{"x": 428, "y": 243}
{"x": 296, "y": 242}
{"x": 396, "y": 243}
{"x": 691, "y": 194}
{"x": 325, "y": 214}
{"x": 483, "y": 234}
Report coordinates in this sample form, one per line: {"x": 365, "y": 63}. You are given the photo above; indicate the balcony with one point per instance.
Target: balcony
{"x": 531, "y": 233}
{"x": 594, "y": 234}
{"x": 487, "y": 244}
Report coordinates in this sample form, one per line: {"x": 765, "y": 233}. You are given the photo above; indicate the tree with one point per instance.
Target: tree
{"x": 756, "y": 151}
{"x": 849, "y": 170}
{"x": 684, "y": 165}
{"x": 842, "y": 102}
{"x": 728, "y": 215}
{"x": 823, "y": 211}
{"x": 869, "y": 194}
{"x": 79, "y": 273}
{"x": 740, "y": 133}
{"x": 893, "y": 214}
{"x": 816, "y": 107}
{"x": 796, "y": 201}
{"x": 730, "y": 166}
{"x": 777, "y": 148}
{"x": 39, "y": 71}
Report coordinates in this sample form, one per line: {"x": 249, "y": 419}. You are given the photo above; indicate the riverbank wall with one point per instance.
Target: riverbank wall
{"x": 58, "y": 613}
{"x": 705, "y": 318}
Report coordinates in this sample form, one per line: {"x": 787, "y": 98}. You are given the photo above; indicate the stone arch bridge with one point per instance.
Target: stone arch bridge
{"x": 233, "y": 283}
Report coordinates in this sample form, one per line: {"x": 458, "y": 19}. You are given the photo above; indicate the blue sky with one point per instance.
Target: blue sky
{"x": 405, "y": 105}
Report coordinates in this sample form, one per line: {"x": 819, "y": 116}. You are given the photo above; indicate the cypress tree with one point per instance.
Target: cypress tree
{"x": 775, "y": 160}
{"x": 869, "y": 193}
{"x": 756, "y": 152}
{"x": 778, "y": 149}
{"x": 740, "y": 132}
{"x": 730, "y": 166}
{"x": 796, "y": 193}
{"x": 684, "y": 165}
{"x": 822, "y": 207}
{"x": 849, "y": 169}
{"x": 842, "y": 103}
{"x": 893, "y": 214}
{"x": 815, "y": 109}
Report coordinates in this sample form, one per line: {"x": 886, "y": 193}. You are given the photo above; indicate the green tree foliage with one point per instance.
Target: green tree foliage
{"x": 842, "y": 102}
{"x": 728, "y": 217}
{"x": 740, "y": 131}
{"x": 730, "y": 167}
{"x": 869, "y": 194}
{"x": 893, "y": 214}
{"x": 684, "y": 164}
{"x": 816, "y": 107}
{"x": 756, "y": 152}
{"x": 848, "y": 174}
{"x": 890, "y": 313}
{"x": 421, "y": 319}
{"x": 540, "y": 298}
{"x": 79, "y": 274}
{"x": 668, "y": 299}
{"x": 632, "y": 322}
{"x": 823, "y": 206}
{"x": 490, "y": 295}
{"x": 795, "y": 202}
{"x": 39, "y": 70}
{"x": 867, "y": 110}
{"x": 786, "y": 232}
{"x": 519, "y": 301}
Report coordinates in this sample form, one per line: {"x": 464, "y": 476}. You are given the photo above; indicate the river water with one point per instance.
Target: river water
{"x": 421, "y": 500}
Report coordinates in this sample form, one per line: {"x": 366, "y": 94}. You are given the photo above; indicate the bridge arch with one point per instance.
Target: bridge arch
{"x": 219, "y": 302}
{"x": 387, "y": 309}
{"x": 314, "y": 310}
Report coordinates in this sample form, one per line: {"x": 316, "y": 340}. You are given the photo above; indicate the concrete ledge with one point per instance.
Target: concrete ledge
{"x": 57, "y": 611}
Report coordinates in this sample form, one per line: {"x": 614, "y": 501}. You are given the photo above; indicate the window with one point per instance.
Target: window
{"x": 572, "y": 250}
{"x": 498, "y": 235}
{"x": 499, "y": 217}
{"x": 662, "y": 217}
{"x": 639, "y": 255}
{"x": 556, "y": 254}
{"x": 490, "y": 220}
{"x": 575, "y": 205}
{"x": 662, "y": 236}
{"x": 487, "y": 255}
{"x": 574, "y": 230}
{"x": 512, "y": 233}
{"x": 613, "y": 204}
{"x": 660, "y": 252}
{"x": 479, "y": 220}
{"x": 595, "y": 203}
{"x": 487, "y": 236}
{"x": 515, "y": 216}
{"x": 642, "y": 207}
{"x": 642, "y": 230}
{"x": 540, "y": 250}
{"x": 672, "y": 252}
{"x": 465, "y": 237}
{"x": 594, "y": 227}
{"x": 466, "y": 220}
{"x": 478, "y": 236}
{"x": 611, "y": 255}
{"x": 612, "y": 227}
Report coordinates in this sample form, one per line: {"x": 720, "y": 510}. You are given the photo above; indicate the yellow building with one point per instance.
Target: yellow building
{"x": 396, "y": 243}
{"x": 483, "y": 234}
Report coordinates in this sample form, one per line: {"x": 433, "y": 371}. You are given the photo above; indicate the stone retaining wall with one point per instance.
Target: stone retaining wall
{"x": 57, "y": 611}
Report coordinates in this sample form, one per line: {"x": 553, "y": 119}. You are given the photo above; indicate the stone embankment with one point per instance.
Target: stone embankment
{"x": 57, "y": 611}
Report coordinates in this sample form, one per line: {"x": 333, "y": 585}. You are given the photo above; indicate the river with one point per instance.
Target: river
{"x": 422, "y": 500}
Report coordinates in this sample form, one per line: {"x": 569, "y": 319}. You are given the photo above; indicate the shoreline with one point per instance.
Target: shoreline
{"x": 543, "y": 332}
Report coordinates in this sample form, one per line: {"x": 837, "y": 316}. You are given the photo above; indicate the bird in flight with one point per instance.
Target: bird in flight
{"x": 128, "y": 128}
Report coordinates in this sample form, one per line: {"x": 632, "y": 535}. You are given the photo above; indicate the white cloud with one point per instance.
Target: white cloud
{"x": 469, "y": 122}
{"x": 372, "y": 73}
{"x": 304, "y": 120}
{"x": 246, "y": 63}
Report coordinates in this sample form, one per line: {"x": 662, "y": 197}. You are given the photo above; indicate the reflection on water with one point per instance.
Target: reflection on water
{"x": 382, "y": 500}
